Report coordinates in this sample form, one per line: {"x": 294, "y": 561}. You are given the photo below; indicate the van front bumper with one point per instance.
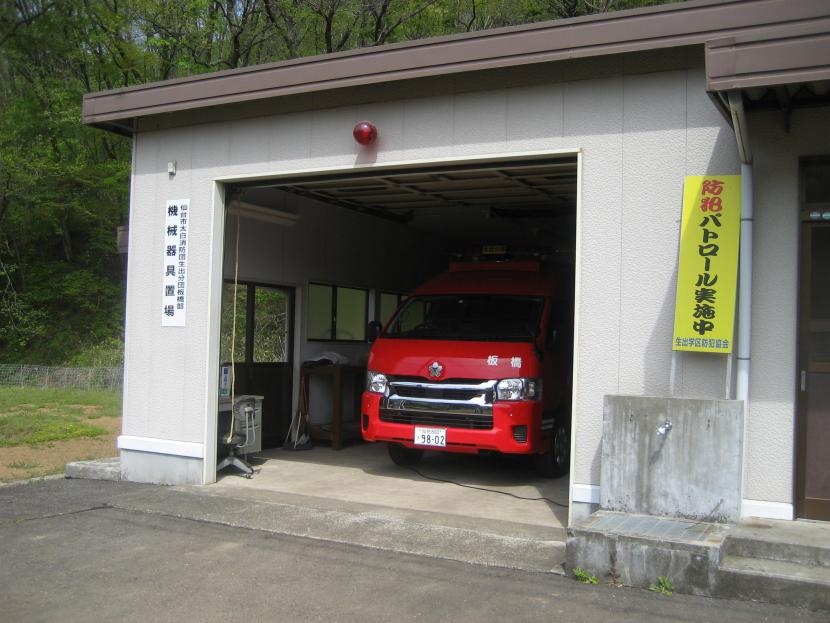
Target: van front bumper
{"x": 516, "y": 429}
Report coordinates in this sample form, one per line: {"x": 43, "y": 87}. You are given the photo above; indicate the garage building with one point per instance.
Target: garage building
{"x": 573, "y": 136}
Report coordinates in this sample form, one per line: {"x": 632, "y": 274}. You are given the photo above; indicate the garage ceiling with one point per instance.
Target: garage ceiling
{"x": 496, "y": 201}
{"x": 549, "y": 186}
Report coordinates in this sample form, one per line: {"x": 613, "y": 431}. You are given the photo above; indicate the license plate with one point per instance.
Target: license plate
{"x": 435, "y": 437}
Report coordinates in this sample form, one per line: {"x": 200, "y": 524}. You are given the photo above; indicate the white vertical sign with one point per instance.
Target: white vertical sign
{"x": 174, "y": 288}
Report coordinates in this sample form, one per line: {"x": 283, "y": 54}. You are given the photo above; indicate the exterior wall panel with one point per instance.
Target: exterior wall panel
{"x": 639, "y": 136}
{"x": 654, "y": 122}
{"x": 593, "y": 122}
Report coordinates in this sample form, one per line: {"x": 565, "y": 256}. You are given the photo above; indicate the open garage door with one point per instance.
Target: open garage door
{"x": 351, "y": 246}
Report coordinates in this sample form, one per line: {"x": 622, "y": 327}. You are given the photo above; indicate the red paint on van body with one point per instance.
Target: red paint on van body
{"x": 416, "y": 396}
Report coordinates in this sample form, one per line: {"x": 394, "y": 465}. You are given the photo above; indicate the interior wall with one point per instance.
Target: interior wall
{"x": 330, "y": 245}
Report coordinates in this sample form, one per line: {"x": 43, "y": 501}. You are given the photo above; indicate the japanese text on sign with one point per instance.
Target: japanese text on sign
{"x": 174, "y": 286}
{"x": 707, "y": 274}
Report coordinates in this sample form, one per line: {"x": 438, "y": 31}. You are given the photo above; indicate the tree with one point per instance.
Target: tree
{"x": 64, "y": 187}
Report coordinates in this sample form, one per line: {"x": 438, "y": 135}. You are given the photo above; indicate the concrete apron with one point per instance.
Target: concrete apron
{"x": 357, "y": 496}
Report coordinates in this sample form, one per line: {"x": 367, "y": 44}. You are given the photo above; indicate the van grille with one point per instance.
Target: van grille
{"x": 482, "y": 421}
{"x": 454, "y": 403}
{"x": 419, "y": 391}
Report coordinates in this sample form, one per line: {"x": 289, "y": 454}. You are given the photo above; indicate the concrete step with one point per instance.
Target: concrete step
{"x": 636, "y": 549}
{"x": 800, "y": 542}
{"x": 775, "y": 581}
{"x": 96, "y": 469}
{"x": 817, "y": 555}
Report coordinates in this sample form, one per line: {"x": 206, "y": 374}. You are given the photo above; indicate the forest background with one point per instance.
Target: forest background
{"x": 64, "y": 188}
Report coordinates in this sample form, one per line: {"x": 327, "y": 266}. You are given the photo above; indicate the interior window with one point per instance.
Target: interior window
{"x": 227, "y": 323}
{"x": 319, "y": 311}
{"x": 271, "y": 328}
{"x": 337, "y": 313}
{"x": 350, "y": 316}
{"x": 263, "y": 311}
{"x": 816, "y": 176}
{"x": 389, "y": 302}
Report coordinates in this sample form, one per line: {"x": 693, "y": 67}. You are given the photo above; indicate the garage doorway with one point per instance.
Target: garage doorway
{"x": 383, "y": 231}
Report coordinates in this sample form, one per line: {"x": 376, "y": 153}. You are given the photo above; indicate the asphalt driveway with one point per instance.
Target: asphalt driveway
{"x": 76, "y": 550}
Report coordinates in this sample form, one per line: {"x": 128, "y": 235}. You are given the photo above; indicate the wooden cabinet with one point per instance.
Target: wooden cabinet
{"x": 347, "y": 388}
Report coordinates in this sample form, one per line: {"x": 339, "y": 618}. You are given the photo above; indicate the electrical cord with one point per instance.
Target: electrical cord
{"x": 512, "y": 495}
{"x": 233, "y": 334}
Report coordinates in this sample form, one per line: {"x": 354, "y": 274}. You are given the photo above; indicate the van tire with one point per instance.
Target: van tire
{"x": 401, "y": 455}
{"x": 556, "y": 462}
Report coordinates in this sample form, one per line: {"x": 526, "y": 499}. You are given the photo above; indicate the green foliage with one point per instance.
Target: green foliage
{"x": 64, "y": 188}
{"x": 107, "y": 353}
{"x": 37, "y": 428}
{"x": 580, "y": 575}
{"x": 664, "y": 585}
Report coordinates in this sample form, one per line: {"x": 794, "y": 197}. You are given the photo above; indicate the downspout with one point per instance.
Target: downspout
{"x": 736, "y": 109}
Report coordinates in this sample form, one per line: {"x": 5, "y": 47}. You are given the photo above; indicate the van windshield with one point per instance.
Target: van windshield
{"x": 481, "y": 317}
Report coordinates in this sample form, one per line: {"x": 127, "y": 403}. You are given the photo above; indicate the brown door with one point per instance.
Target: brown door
{"x": 813, "y": 424}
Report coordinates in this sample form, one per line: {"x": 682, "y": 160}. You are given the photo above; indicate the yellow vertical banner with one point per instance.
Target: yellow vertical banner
{"x": 707, "y": 273}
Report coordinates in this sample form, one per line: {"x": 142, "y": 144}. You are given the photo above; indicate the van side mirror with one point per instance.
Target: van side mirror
{"x": 373, "y": 330}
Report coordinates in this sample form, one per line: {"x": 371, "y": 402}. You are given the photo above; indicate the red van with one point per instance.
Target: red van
{"x": 476, "y": 360}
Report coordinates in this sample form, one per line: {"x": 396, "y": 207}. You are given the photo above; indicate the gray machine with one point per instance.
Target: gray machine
{"x": 240, "y": 429}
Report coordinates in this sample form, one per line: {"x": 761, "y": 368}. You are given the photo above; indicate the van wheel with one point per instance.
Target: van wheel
{"x": 401, "y": 455}
{"x": 556, "y": 462}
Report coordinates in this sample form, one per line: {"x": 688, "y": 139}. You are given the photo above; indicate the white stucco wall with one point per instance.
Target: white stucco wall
{"x": 770, "y": 436}
{"x": 638, "y": 135}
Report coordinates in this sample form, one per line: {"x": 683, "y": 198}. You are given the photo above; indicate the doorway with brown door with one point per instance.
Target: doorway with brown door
{"x": 813, "y": 422}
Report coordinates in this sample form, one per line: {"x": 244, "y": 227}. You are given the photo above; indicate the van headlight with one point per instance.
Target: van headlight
{"x": 376, "y": 383}
{"x": 519, "y": 389}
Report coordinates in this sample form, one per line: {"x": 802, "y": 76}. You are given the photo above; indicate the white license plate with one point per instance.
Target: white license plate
{"x": 435, "y": 437}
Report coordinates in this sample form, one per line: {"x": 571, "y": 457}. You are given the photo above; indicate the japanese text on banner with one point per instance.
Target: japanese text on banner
{"x": 174, "y": 284}
{"x": 707, "y": 274}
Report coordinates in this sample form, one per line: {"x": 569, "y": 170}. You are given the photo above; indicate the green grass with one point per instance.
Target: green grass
{"x": 664, "y": 586}
{"x": 22, "y": 465}
{"x": 70, "y": 401}
{"x": 38, "y": 416}
{"x": 37, "y": 428}
{"x": 583, "y": 576}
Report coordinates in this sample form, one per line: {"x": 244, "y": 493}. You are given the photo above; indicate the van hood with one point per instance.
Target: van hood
{"x": 455, "y": 360}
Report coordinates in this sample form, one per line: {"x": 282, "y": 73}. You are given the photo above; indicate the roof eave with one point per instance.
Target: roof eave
{"x": 673, "y": 25}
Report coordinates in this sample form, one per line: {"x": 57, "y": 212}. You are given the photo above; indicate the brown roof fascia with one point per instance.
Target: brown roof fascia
{"x": 790, "y": 54}
{"x": 679, "y": 24}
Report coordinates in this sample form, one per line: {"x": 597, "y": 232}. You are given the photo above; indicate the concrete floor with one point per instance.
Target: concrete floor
{"x": 363, "y": 473}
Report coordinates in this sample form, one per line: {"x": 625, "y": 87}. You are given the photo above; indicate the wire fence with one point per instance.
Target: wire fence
{"x": 16, "y": 375}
